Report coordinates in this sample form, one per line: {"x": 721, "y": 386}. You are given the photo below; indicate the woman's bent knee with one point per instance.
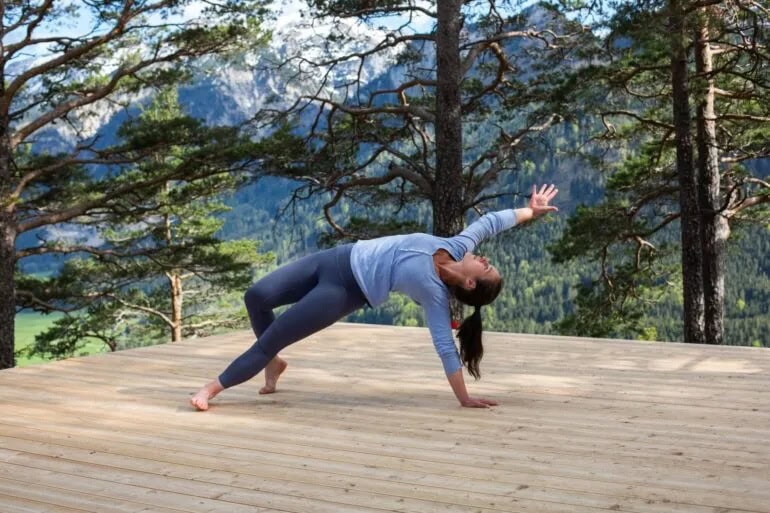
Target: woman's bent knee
{"x": 254, "y": 297}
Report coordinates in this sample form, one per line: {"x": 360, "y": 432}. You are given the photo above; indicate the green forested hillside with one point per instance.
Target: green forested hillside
{"x": 537, "y": 292}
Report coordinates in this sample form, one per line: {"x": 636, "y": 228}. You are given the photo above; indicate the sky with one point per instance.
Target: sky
{"x": 79, "y": 24}
{"x": 287, "y": 12}
{"x": 82, "y": 23}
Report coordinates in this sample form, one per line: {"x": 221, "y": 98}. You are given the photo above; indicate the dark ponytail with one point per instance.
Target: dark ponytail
{"x": 469, "y": 332}
{"x": 471, "y": 349}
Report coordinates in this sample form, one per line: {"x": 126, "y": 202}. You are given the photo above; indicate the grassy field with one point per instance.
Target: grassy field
{"x": 29, "y": 324}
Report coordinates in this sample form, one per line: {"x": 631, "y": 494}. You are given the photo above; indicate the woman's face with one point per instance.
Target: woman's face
{"x": 478, "y": 267}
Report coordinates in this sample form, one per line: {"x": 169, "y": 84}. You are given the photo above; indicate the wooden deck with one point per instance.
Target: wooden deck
{"x": 364, "y": 421}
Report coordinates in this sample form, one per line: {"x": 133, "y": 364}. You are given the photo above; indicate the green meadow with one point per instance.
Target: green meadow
{"x": 29, "y": 324}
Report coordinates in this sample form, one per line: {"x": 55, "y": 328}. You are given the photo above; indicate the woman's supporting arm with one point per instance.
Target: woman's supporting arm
{"x": 457, "y": 382}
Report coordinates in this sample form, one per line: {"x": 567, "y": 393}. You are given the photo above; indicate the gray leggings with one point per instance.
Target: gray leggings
{"x": 322, "y": 289}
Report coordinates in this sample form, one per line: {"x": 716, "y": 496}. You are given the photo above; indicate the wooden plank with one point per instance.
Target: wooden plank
{"x": 38, "y": 498}
{"x": 302, "y": 461}
{"x": 361, "y": 489}
{"x": 66, "y": 482}
{"x": 557, "y": 401}
{"x": 280, "y": 436}
{"x": 730, "y": 399}
{"x": 623, "y": 438}
{"x": 524, "y": 445}
{"x": 721, "y": 391}
{"x": 699, "y": 412}
{"x": 13, "y": 504}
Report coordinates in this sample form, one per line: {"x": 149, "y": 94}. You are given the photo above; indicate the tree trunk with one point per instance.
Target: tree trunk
{"x": 175, "y": 284}
{"x": 176, "y": 307}
{"x": 7, "y": 253}
{"x": 692, "y": 268}
{"x": 714, "y": 227}
{"x": 7, "y": 289}
{"x": 7, "y": 235}
{"x": 447, "y": 191}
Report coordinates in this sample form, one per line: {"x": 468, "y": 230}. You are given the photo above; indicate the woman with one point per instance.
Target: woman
{"x": 326, "y": 286}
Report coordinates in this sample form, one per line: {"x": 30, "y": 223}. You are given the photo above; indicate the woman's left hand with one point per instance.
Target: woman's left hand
{"x": 478, "y": 402}
{"x": 539, "y": 201}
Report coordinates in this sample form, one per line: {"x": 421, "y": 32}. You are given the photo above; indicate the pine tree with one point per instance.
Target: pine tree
{"x": 129, "y": 47}
{"x": 161, "y": 272}
{"x": 680, "y": 167}
{"x": 474, "y": 79}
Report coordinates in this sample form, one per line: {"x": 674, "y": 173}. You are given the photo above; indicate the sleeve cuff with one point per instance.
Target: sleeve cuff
{"x": 451, "y": 364}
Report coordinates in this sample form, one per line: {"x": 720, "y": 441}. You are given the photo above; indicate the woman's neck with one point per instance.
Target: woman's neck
{"x": 446, "y": 268}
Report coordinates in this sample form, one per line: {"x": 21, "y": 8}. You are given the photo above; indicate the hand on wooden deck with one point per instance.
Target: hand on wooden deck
{"x": 478, "y": 402}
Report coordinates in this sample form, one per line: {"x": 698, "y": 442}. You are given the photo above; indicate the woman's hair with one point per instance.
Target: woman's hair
{"x": 469, "y": 332}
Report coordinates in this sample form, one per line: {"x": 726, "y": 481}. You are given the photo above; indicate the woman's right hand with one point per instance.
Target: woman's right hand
{"x": 478, "y": 402}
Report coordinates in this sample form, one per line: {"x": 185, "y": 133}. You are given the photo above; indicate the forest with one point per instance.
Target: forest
{"x": 538, "y": 293}
{"x": 150, "y": 171}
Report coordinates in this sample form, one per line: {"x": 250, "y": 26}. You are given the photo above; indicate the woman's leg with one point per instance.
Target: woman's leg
{"x": 319, "y": 308}
{"x": 324, "y": 290}
{"x": 283, "y": 286}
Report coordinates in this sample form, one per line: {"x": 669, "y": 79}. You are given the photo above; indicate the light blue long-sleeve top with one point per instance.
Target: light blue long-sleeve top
{"x": 404, "y": 263}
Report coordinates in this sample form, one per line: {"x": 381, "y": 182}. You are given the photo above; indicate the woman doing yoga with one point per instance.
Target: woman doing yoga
{"x": 326, "y": 286}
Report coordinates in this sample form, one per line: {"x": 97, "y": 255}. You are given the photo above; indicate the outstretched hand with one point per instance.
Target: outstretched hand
{"x": 539, "y": 200}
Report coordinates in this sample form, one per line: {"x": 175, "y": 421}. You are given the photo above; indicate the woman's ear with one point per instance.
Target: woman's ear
{"x": 469, "y": 284}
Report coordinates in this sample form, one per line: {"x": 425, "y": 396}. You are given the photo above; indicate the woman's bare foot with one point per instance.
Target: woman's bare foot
{"x": 273, "y": 371}
{"x": 201, "y": 399}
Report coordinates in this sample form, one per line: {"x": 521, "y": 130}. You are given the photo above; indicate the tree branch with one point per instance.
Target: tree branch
{"x": 636, "y": 116}
{"x": 157, "y": 313}
{"x": 33, "y": 299}
{"x": 62, "y": 249}
{"x": 504, "y": 149}
{"x": 502, "y": 68}
{"x": 74, "y": 53}
{"x": 389, "y": 42}
{"x": 11, "y": 49}
{"x": 384, "y": 11}
{"x": 394, "y": 171}
{"x": 751, "y": 201}
{"x": 97, "y": 94}
{"x": 415, "y": 110}
{"x": 25, "y": 18}
{"x": 189, "y": 169}
{"x": 531, "y": 34}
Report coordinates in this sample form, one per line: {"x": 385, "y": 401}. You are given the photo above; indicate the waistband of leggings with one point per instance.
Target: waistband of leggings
{"x": 345, "y": 270}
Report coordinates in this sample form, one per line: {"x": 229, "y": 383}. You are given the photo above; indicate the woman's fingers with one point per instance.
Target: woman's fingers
{"x": 552, "y": 193}
{"x": 480, "y": 403}
{"x": 540, "y": 198}
{"x": 547, "y": 190}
